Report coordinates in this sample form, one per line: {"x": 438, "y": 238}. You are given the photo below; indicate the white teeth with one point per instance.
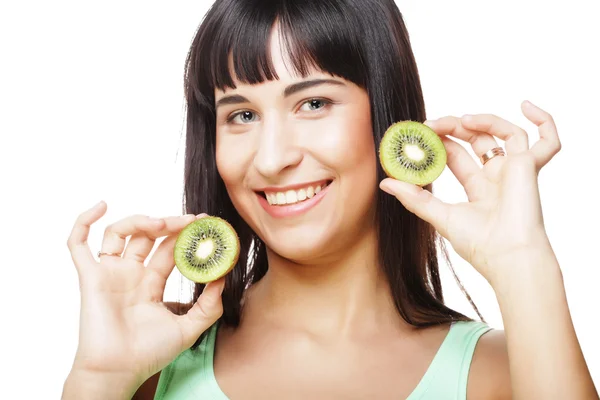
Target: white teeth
{"x": 293, "y": 196}
{"x": 301, "y": 195}
{"x": 280, "y": 198}
{"x": 290, "y": 197}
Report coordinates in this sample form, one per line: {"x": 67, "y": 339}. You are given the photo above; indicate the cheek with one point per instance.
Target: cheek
{"x": 351, "y": 152}
{"x": 231, "y": 160}
{"x": 348, "y": 146}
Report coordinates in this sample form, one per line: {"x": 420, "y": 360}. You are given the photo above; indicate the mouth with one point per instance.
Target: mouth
{"x": 293, "y": 200}
{"x": 293, "y": 196}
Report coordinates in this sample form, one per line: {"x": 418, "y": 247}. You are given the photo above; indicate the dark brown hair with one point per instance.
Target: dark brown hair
{"x": 363, "y": 41}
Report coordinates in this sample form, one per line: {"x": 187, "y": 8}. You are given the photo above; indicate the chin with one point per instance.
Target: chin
{"x": 302, "y": 244}
{"x": 309, "y": 231}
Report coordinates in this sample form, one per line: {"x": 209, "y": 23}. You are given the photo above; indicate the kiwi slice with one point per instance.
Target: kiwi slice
{"x": 412, "y": 152}
{"x": 206, "y": 249}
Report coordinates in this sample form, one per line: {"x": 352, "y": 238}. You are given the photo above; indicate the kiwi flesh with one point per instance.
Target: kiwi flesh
{"x": 206, "y": 249}
{"x": 412, "y": 152}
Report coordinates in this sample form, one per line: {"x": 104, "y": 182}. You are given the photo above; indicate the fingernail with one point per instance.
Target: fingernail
{"x": 213, "y": 293}
{"x": 385, "y": 187}
{"x": 467, "y": 117}
{"x": 201, "y": 215}
{"x": 394, "y": 186}
{"x": 529, "y": 104}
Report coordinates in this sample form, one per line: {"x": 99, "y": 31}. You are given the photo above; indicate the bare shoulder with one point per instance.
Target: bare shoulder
{"x": 489, "y": 376}
{"x": 147, "y": 390}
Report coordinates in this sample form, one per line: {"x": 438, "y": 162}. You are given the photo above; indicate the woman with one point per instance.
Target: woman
{"x": 342, "y": 295}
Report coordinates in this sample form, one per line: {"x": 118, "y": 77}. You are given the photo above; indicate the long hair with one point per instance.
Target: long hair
{"x": 362, "y": 41}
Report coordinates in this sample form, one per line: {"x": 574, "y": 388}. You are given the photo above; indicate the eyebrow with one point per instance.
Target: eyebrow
{"x": 290, "y": 90}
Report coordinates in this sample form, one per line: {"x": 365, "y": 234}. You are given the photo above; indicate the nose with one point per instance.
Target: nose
{"x": 276, "y": 151}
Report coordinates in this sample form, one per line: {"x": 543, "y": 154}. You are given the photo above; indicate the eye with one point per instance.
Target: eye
{"x": 245, "y": 117}
{"x": 316, "y": 104}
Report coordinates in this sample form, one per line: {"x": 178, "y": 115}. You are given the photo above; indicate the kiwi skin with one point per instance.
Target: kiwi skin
{"x": 225, "y": 272}
{"x": 434, "y": 136}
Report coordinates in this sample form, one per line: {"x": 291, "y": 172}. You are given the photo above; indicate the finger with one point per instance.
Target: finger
{"x": 515, "y": 138}
{"x": 206, "y": 311}
{"x": 141, "y": 244}
{"x": 138, "y": 248}
{"x": 77, "y": 242}
{"x": 420, "y": 202}
{"x": 162, "y": 261}
{"x": 481, "y": 142}
{"x": 549, "y": 144}
{"x": 460, "y": 162}
{"x": 116, "y": 234}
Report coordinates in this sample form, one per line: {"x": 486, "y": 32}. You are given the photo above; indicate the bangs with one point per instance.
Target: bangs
{"x": 315, "y": 34}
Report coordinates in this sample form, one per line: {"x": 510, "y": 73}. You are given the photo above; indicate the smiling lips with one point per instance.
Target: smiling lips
{"x": 292, "y": 202}
{"x": 293, "y": 196}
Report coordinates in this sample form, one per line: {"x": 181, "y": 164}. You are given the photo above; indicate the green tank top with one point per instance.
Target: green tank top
{"x": 191, "y": 375}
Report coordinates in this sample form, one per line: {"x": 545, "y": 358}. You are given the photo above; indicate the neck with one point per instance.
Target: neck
{"x": 348, "y": 294}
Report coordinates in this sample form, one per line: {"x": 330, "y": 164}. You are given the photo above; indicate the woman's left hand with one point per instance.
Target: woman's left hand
{"x": 502, "y": 220}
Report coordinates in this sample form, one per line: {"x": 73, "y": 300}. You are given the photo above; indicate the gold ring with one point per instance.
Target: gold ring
{"x": 100, "y": 254}
{"x": 496, "y": 151}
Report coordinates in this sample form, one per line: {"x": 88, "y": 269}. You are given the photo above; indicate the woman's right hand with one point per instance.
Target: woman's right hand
{"x": 126, "y": 332}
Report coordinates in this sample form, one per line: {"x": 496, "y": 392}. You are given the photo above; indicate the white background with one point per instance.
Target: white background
{"x": 91, "y": 108}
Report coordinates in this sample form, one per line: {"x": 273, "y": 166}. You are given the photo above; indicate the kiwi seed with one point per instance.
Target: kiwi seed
{"x": 206, "y": 249}
{"x": 412, "y": 152}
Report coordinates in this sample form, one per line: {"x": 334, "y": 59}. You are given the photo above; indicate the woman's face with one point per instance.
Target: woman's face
{"x": 298, "y": 161}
